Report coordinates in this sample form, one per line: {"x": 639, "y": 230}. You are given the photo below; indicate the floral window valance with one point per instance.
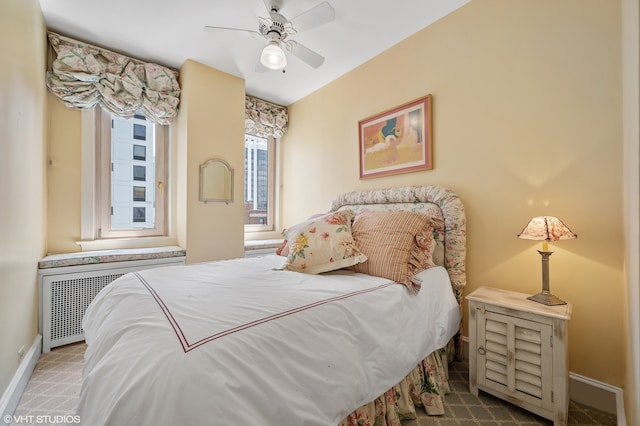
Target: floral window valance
{"x": 83, "y": 75}
{"x": 264, "y": 119}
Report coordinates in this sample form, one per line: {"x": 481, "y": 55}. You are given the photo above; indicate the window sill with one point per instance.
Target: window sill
{"x": 260, "y": 247}
{"x": 109, "y": 256}
{"x": 251, "y": 237}
{"x": 262, "y": 244}
{"x": 126, "y": 243}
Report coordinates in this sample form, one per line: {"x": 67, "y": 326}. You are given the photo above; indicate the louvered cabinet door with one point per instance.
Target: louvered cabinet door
{"x": 518, "y": 351}
{"x": 515, "y": 357}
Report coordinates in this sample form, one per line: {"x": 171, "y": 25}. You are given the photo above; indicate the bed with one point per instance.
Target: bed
{"x": 321, "y": 336}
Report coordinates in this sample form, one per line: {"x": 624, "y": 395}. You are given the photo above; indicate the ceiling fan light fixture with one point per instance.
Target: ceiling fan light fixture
{"x": 273, "y": 56}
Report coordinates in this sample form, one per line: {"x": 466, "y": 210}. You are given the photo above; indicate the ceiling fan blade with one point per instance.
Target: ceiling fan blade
{"x": 314, "y": 17}
{"x": 211, "y": 29}
{"x": 273, "y": 4}
{"x": 305, "y": 54}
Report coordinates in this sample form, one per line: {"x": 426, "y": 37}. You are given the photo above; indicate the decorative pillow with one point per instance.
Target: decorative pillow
{"x": 322, "y": 244}
{"x": 427, "y": 208}
{"x": 283, "y": 250}
{"x": 398, "y": 244}
{"x": 425, "y": 251}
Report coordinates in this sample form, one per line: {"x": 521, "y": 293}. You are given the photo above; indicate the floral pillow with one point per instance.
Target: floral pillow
{"x": 322, "y": 244}
{"x": 398, "y": 244}
{"x": 283, "y": 250}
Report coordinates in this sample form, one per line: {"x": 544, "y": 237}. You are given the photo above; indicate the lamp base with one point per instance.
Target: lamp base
{"x": 547, "y": 299}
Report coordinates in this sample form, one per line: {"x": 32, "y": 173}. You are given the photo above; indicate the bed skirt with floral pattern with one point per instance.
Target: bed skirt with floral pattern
{"x": 424, "y": 386}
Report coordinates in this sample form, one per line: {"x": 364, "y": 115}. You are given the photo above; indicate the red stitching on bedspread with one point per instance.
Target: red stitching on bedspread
{"x": 186, "y": 346}
{"x": 165, "y": 309}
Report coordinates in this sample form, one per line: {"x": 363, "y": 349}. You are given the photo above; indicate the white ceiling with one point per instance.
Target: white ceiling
{"x": 169, "y": 32}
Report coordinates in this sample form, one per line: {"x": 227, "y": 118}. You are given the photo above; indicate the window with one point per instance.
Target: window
{"x": 259, "y": 183}
{"x": 139, "y": 193}
{"x": 139, "y": 214}
{"x": 130, "y": 177}
{"x": 139, "y": 173}
{"x": 139, "y": 152}
{"x": 139, "y": 131}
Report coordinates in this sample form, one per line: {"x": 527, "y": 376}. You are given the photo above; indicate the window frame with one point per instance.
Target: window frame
{"x": 270, "y": 226}
{"x": 102, "y": 208}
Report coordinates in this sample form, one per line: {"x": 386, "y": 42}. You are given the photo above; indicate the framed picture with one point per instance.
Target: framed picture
{"x": 397, "y": 140}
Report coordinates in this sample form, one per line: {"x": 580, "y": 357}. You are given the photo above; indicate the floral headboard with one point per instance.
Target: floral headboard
{"x": 434, "y": 200}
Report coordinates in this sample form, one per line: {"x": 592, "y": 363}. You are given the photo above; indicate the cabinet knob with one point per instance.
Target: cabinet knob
{"x": 481, "y": 350}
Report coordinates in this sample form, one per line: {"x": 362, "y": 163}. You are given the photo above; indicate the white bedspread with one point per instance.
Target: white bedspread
{"x": 239, "y": 343}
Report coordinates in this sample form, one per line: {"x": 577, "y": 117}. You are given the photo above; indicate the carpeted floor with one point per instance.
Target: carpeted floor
{"x": 462, "y": 408}
{"x": 52, "y": 395}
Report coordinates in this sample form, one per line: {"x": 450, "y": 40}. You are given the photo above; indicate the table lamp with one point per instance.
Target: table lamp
{"x": 545, "y": 229}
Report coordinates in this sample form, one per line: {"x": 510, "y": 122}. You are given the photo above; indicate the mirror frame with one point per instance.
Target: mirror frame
{"x": 208, "y": 184}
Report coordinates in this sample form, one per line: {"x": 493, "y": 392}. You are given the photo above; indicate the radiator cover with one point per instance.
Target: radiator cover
{"x": 66, "y": 292}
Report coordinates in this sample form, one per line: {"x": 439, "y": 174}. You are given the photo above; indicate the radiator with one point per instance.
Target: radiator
{"x": 65, "y": 294}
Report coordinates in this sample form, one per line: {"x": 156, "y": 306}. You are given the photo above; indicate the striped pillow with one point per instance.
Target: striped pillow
{"x": 398, "y": 244}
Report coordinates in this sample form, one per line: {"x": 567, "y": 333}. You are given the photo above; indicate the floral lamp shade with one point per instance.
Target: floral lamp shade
{"x": 545, "y": 229}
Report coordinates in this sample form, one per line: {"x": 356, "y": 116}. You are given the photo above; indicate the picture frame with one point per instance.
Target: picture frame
{"x": 396, "y": 141}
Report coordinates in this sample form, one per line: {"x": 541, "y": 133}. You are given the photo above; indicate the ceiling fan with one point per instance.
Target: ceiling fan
{"x": 276, "y": 29}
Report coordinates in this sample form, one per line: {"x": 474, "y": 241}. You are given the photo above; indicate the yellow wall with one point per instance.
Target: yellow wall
{"x": 22, "y": 177}
{"x": 64, "y": 177}
{"x": 526, "y": 122}
{"x": 210, "y": 125}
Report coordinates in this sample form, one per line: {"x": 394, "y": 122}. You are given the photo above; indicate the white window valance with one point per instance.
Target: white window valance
{"x": 264, "y": 119}
{"x": 83, "y": 75}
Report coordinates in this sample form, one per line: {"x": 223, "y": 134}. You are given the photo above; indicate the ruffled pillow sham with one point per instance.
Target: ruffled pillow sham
{"x": 398, "y": 244}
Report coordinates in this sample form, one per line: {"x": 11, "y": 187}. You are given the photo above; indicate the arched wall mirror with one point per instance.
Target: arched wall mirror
{"x": 216, "y": 181}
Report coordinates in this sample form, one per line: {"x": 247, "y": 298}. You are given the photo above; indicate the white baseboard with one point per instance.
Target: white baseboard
{"x": 586, "y": 391}
{"x": 596, "y": 394}
{"x": 12, "y": 395}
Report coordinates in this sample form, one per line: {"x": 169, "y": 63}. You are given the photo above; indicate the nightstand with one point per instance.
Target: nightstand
{"x": 518, "y": 351}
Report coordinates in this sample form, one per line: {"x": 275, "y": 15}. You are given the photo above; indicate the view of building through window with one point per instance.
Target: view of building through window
{"x": 132, "y": 173}
{"x": 256, "y": 180}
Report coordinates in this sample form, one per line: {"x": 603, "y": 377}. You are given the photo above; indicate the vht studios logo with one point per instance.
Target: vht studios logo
{"x": 43, "y": 419}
